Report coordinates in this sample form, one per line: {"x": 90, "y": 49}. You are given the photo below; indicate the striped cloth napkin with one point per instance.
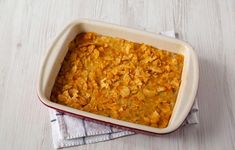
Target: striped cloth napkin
{"x": 68, "y": 131}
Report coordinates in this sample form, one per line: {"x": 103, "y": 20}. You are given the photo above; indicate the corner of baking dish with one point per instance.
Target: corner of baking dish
{"x": 185, "y": 98}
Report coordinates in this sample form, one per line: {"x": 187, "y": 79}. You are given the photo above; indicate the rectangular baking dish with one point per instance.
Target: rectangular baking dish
{"x": 58, "y": 49}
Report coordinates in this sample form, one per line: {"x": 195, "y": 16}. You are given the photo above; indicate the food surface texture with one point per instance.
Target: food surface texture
{"x": 120, "y": 79}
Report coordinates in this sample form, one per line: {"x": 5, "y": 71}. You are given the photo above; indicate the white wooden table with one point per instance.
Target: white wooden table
{"x": 28, "y": 26}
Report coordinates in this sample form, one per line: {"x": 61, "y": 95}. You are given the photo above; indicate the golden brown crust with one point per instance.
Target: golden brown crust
{"x": 119, "y": 79}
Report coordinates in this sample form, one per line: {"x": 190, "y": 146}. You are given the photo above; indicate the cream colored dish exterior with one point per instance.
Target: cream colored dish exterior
{"x": 57, "y": 51}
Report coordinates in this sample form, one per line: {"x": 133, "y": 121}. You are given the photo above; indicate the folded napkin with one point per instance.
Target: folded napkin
{"x": 69, "y": 131}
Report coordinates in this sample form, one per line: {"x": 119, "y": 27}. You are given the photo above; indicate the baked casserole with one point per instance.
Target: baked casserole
{"x": 120, "y": 79}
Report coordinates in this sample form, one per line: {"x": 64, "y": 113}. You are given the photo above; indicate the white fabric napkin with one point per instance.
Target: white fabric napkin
{"x": 69, "y": 131}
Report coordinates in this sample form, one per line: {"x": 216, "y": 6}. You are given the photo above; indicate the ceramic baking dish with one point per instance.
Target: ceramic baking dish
{"x": 57, "y": 51}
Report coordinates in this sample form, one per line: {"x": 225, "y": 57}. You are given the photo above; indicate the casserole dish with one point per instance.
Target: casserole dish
{"x": 57, "y": 52}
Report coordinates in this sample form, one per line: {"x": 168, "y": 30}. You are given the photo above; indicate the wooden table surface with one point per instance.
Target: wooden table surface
{"x": 28, "y": 26}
